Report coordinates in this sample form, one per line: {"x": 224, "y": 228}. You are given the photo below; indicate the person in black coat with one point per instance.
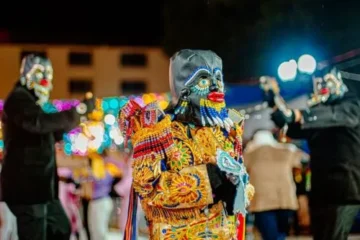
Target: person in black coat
{"x": 29, "y": 180}
{"x": 332, "y": 128}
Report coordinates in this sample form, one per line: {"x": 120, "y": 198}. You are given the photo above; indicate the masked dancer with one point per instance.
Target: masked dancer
{"x": 187, "y": 163}
{"x": 331, "y": 126}
{"x": 29, "y": 180}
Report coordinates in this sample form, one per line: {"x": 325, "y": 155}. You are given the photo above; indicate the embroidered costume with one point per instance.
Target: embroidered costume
{"x": 188, "y": 169}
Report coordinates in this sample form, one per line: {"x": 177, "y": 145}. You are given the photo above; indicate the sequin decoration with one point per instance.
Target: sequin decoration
{"x": 237, "y": 174}
{"x": 202, "y": 88}
{"x": 146, "y": 172}
{"x": 215, "y": 226}
{"x": 228, "y": 164}
{"x": 214, "y": 114}
{"x": 181, "y": 190}
{"x": 182, "y": 157}
{"x": 170, "y": 174}
{"x": 182, "y": 107}
{"x": 157, "y": 140}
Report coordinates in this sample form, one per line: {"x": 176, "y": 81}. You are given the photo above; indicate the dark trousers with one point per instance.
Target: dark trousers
{"x": 274, "y": 224}
{"x": 332, "y": 222}
{"x": 85, "y": 205}
{"x": 42, "y": 221}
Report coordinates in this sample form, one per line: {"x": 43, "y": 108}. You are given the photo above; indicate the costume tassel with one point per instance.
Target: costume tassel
{"x": 131, "y": 223}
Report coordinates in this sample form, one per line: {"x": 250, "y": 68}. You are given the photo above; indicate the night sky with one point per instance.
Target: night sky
{"x": 252, "y": 36}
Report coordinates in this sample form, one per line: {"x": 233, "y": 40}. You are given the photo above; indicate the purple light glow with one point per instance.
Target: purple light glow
{"x": 75, "y": 131}
{"x": 63, "y": 105}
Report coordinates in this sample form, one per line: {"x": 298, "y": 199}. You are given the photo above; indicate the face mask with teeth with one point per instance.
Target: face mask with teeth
{"x": 36, "y": 74}
{"x": 328, "y": 88}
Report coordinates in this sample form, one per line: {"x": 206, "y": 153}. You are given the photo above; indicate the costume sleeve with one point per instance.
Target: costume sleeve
{"x": 159, "y": 187}
{"x": 59, "y": 136}
{"x": 29, "y": 116}
{"x": 296, "y": 131}
{"x": 344, "y": 114}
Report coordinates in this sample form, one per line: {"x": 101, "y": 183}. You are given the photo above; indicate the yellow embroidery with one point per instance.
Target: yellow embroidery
{"x": 215, "y": 226}
{"x": 145, "y": 172}
{"x": 173, "y": 182}
{"x": 184, "y": 189}
{"x": 182, "y": 157}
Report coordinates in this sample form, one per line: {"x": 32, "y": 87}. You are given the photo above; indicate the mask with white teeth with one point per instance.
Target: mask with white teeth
{"x": 36, "y": 74}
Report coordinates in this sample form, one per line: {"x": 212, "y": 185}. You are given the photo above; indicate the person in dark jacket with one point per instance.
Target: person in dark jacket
{"x": 332, "y": 128}
{"x": 29, "y": 180}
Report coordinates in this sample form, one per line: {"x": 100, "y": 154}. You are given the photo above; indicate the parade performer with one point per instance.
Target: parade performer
{"x": 188, "y": 169}
{"x": 29, "y": 182}
{"x": 331, "y": 126}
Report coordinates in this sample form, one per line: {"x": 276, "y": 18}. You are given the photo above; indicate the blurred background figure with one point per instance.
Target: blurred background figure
{"x": 270, "y": 165}
{"x": 302, "y": 177}
{"x": 70, "y": 199}
{"x": 8, "y": 225}
{"x": 97, "y": 196}
{"x": 69, "y": 193}
{"x": 123, "y": 187}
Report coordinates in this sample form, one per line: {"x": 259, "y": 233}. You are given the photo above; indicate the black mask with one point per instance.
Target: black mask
{"x": 196, "y": 82}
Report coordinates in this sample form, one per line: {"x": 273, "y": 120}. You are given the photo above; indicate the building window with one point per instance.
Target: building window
{"x": 132, "y": 87}
{"x": 39, "y": 53}
{"x": 80, "y": 59}
{"x": 133, "y": 60}
{"x": 80, "y": 85}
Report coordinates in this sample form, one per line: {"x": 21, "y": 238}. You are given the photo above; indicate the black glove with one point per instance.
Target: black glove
{"x": 217, "y": 178}
{"x": 280, "y": 118}
{"x": 221, "y": 187}
{"x": 269, "y": 97}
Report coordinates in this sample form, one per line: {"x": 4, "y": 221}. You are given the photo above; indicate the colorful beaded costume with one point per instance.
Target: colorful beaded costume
{"x": 173, "y": 152}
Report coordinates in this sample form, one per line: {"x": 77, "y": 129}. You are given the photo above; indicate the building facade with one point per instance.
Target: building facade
{"x": 104, "y": 70}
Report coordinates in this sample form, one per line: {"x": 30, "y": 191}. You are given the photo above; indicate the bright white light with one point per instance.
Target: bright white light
{"x": 287, "y": 70}
{"x": 109, "y": 119}
{"x": 98, "y": 132}
{"x": 80, "y": 144}
{"x": 115, "y": 134}
{"x": 119, "y": 140}
{"x": 307, "y": 64}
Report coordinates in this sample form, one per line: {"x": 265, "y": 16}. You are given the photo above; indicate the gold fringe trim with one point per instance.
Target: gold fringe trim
{"x": 178, "y": 216}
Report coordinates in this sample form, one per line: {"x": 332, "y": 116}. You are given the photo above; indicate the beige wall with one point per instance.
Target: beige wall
{"x": 105, "y": 72}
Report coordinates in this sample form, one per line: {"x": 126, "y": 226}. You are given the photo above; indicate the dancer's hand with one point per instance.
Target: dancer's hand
{"x": 281, "y": 118}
